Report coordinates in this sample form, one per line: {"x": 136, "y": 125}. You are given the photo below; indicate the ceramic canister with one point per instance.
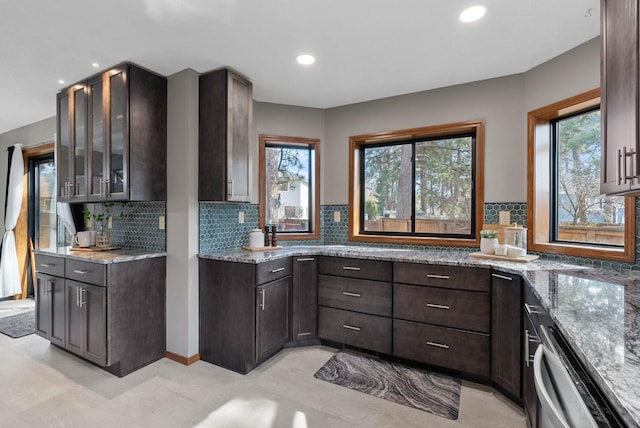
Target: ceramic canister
{"x": 516, "y": 236}
{"x": 256, "y": 238}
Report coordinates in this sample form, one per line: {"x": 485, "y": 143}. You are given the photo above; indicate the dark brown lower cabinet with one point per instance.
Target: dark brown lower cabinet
{"x": 506, "y": 333}
{"x": 304, "y": 298}
{"x": 272, "y": 317}
{"x": 110, "y": 314}
{"x": 86, "y": 321}
{"x": 244, "y": 311}
{"x": 50, "y": 308}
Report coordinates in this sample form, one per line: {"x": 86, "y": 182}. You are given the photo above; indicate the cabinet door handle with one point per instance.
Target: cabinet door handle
{"x": 280, "y": 269}
{"x": 528, "y": 339}
{"x": 346, "y": 293}
{"x": 230, "y": 191}
{"x": 81, "y": 297}
{"x": 508, "y": 278}
{"x": 80, "y": 272}
{"x": 77, "y": 296}
{"x": 532, "y": 309}
{"x": 350, "y": 268}
{"x": 433, "y": 305}
{"x": 307, "y": 259}
{"x": 350, "y": 327}
{"x": 438, "y": 345}
{"x": 46, "y": 265}
{"x": 437, "y": 276}
{"x": 263, "y": 304}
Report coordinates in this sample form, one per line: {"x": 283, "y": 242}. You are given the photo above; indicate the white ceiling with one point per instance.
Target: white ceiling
{"x": 364, "y": 49}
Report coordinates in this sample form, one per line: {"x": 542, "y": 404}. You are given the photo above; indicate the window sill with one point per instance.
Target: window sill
{"x": 586, "y": 251}
{"x": 414, "y": 240}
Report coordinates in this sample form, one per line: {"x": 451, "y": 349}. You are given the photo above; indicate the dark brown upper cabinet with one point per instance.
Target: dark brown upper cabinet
{"x": 620, "y": 97}
{"x": 226, "y": 108}
{"x": 112, "y": 137}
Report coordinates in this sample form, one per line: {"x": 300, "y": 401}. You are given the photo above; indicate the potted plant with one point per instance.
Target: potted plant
{"x": 103, "y": 239}
{"x": 488, "y": 241}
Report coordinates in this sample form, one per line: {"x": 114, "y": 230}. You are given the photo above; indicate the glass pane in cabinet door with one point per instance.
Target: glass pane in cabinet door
{"x": 97, "y": 139}
{"x": 80, "y": 116}
{"x": 62, "y": 158}
{"x": 118, "y": 136}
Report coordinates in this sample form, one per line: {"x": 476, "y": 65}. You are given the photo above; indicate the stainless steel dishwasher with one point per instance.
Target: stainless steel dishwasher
{"x": 561, "y": 405}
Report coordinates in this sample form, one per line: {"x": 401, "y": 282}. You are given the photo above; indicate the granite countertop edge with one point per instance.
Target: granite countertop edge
{"x": 120, "y": 255}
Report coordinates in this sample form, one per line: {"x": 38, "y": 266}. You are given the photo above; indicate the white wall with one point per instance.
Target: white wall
{"x": 182, "y": 214}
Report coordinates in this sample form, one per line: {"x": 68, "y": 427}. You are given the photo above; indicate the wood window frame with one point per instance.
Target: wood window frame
{"x": 311, "y": 143}
{"x": 359, "y": 141}
{"x": 539, "y": 187}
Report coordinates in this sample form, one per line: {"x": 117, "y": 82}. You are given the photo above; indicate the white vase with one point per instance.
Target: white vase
{"x": 488, "y": 245}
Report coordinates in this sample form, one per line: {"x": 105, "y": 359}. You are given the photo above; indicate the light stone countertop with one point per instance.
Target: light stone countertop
{"x": 596, "y": 310}
{"x": 102, "y": 257}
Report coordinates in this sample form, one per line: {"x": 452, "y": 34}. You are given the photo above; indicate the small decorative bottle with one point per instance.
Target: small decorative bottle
{"x": 267, "y": 239}
{"x": 274, "y": 238}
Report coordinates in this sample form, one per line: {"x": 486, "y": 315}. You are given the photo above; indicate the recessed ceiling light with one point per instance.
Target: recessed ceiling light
{"x": 95, "y": 65}
{"x": 473, "y": 13}
{"x": 60, "y": 81}
{"x": 305, "y": 59}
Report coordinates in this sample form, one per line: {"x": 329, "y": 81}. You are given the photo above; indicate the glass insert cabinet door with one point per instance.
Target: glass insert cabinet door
{"x": 108, "y": 135}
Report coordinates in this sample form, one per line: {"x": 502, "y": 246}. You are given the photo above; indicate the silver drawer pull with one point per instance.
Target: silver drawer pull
{"x": 80, "y": 272}
{"x": 433, "y": 305}
{"x": 346, "y": 293}
{"x": 508, "y": 278}
{"x": 46, "y": 265}
{"x": 438, "y": 345}
{"x": 350, "y": 268}
{"x": 306, "y": 259}
{"x": 532, "y": 309}
{"x": 350, "y": 327}
{"x": 438, "y": 276}
{"x": 277, "y": 270}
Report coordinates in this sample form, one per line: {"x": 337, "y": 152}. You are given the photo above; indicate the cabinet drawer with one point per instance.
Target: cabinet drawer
{"x": 361, "y": 295}
{"x": 356, "y": 268}
{"x": 462, "y": 278}
{"x": 468, "y": 310}
{"x": 272, "y": 270}
{"x": 460, "y": 350}
{"x": 50, "y": 265}
{"x": 89, "y": 272}
{"x": 352, "y": 328}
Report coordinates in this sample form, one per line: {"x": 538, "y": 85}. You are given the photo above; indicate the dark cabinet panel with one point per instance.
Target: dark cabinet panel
{"x": 86, "y": 321}
{"x": 272, "y": 317}
{"x": 225, "y": 116}
{"x": 352, "y": 328}
{"x": 620, "y": 96}
{"x": 506, "y": 332}
{"x": 43, "y": 305}
{"x": 355, "y": 268}
{"x": 472, "y": 279}
{"x": 361, "y": 295}
{"x": 460, "y": 350}
{"x": 304, "y": 298}
{"x": 451, "y": 308}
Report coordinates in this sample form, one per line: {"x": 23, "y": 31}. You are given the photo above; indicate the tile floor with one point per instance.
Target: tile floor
{"x": 44, "y": 386}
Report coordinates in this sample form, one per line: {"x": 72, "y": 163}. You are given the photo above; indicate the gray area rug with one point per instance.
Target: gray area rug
{"x": 413, "y": 387}
{"x": 18, "y": 325}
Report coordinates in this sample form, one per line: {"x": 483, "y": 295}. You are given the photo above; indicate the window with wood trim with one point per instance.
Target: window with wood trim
{"x": 566, "y": 212}
{"x": 290, "y": 186}
{"x": 418, "y": 186}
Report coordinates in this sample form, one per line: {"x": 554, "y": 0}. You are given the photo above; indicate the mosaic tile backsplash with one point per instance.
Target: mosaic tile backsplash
{"x": 135, "y": 224}
{"x": 220, "y": 230}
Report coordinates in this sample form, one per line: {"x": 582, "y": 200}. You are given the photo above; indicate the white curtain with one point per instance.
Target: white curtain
{"x": 9, "y": 271}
